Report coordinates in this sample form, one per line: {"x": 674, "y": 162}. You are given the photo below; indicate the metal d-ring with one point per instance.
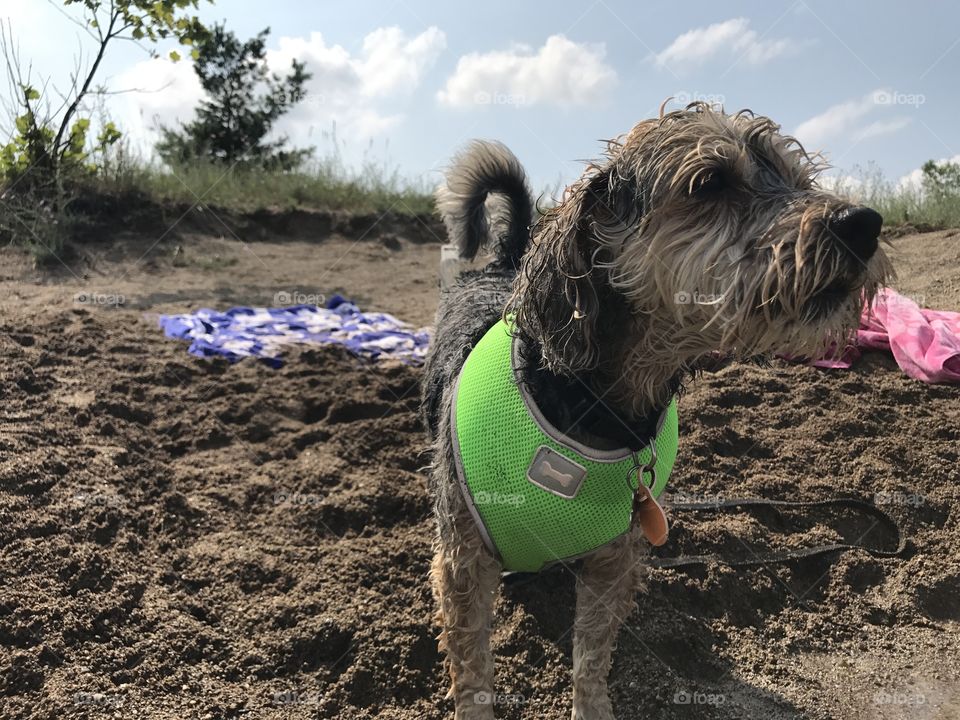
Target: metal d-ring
{"x": 640, "y": 468}
{"x": 653, "y": 475}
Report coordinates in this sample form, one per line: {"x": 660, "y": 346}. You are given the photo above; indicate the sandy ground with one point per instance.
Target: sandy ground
{"x": 182, "y": 538}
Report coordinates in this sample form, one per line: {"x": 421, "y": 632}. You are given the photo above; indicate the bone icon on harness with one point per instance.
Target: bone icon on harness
{"x": 561, "y": 477}
{"x": 556, "y": 473}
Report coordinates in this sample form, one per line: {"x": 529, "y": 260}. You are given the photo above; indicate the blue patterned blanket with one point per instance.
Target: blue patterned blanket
{"x": 264, "y": 332}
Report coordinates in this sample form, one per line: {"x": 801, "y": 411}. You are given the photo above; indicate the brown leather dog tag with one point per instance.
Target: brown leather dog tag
{"x": 652, "y": 519}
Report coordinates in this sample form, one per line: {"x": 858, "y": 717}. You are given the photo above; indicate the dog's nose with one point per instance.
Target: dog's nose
{"x": 858, "y": 229}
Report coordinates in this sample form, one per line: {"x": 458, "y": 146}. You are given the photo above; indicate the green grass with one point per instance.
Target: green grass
{"x": 900, "y": 205}
{"x": 320, "y": 185}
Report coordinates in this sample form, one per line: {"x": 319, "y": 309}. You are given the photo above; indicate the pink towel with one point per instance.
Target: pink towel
{"x": 925, "y": 343}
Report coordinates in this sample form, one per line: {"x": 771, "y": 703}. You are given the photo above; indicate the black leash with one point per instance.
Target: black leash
{"x": 784, "y": 556}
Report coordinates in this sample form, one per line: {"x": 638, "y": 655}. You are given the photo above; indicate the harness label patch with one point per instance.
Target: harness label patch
{"x": 556, "y": 473}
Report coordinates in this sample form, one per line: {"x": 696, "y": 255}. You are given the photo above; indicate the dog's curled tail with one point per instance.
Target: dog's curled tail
{"x": 487, "y": 169}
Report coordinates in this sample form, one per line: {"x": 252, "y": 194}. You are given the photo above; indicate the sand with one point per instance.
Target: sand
{"x": 184, "y": 538}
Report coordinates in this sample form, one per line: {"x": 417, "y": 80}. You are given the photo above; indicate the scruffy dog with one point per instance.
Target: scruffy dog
{"x": 698, "y": 232}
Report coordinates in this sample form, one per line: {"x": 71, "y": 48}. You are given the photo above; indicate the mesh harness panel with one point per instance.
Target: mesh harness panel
{"x": 499, "y": 434}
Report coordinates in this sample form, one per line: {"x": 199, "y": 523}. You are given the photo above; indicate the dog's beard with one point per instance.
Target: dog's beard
{"x": 783, "y": 285}
{"x": 811, "y": 292}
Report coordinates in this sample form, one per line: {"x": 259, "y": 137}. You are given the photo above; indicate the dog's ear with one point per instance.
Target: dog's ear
{"x": 560, "y": 294}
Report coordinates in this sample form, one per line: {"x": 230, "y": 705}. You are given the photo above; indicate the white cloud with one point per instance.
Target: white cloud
{"x": 562, "y": 72}
{"x": 732, "y": 37}
{"x": 167, "y": 92}
{"x": 353, "y": 91}
{"x": 881, "y": 127}
{"x": 47, "y": 40}
{"x": 350, "y": 91}
{"x": 393, "y": 64}
{"x": 913, "y": 180}
{"x": 846, "y": 118}
{"x": 24, "y": 15}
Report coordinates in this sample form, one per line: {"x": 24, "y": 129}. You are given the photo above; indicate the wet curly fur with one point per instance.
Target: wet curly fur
{"x": 698, "y": 232}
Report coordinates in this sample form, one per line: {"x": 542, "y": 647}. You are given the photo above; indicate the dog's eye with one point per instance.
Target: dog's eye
{"x": 708, "y": 183}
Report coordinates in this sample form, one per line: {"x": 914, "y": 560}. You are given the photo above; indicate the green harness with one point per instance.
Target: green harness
{"x": 537, "y": 495}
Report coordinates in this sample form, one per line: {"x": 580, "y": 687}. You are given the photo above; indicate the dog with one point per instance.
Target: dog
{"x": 698, "y": 232}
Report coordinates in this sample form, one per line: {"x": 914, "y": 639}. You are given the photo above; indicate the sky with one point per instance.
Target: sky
{"x": 405, "y": 83}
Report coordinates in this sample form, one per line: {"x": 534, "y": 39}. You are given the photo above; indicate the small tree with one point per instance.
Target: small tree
{"x": 49, "y": 152}
{"x": 941, "y": 180}
{"x": 49, "y": 143}
{"x": 244, "y": 100}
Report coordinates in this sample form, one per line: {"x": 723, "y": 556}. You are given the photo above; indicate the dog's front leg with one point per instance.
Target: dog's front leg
{"x": 606, "y": 589}
{"x": 465, "y": 580}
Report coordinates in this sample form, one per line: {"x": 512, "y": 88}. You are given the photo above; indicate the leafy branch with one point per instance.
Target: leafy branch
{"x": 53, "y": 142}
